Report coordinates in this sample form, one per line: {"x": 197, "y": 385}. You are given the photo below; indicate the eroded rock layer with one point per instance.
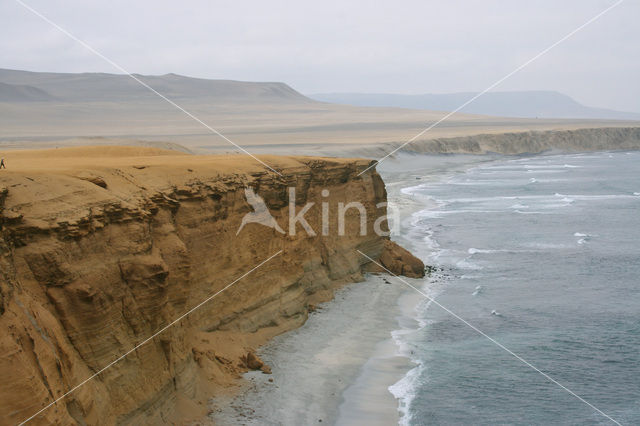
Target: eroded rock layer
{"x": 97, "y": 256}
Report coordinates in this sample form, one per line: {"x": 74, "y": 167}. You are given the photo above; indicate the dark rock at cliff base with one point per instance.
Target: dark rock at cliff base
{"x": 253, "y": 362}
{"x": 400, "y": 262}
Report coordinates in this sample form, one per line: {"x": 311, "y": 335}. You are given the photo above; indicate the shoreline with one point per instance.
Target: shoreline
{"x": 340, "y": 366}
{"x": 385, "y": 369}
{"x": 315, "y": 366}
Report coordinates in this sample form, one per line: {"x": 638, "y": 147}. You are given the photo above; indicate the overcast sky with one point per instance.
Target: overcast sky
{"x": 343, "y": 46}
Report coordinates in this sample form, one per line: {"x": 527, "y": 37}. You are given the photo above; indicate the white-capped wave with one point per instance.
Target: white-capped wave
{"x": 514, "y": 167}
{"x": 473, "y": 250}
{"x": 582, "y": 237}
{"x": 636, "y": 193}
{"x": 547, "y": 171}
{"x": 469, "y": 277}
{"x": 545, "y": 246}
{"x": 530, "y": 212}
{"x": 479, "y": 289}
{"x": 466, "y": 264}
{"x": 405, "y": 391}
{"x": 410, "y": 190}
{"x": 548, "y": 166}
{"x": 599, "y": 197}
{"x": 500, "y": 197}
{"x": 436, "y": 214}
{"x": 486, "y": 182}
{"x": 519, "y": 206}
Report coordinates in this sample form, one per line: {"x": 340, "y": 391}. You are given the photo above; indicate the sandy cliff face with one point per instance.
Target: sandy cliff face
{"x": 587, "y": 139}
{"x": 98, "y": 254}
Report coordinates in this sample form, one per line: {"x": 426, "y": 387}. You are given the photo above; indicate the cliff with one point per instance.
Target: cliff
{"x": 533, "y": 142}
{"x": 102, "y": 247}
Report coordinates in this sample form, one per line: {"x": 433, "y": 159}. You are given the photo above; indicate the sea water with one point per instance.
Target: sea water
{"x": 542, "y": 255}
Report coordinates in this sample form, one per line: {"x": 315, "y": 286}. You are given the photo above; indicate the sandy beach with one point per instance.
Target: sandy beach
{"x": 335, "y": 369}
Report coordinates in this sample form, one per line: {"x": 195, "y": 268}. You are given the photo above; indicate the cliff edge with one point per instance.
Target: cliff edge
{"x": 102, "y": 247}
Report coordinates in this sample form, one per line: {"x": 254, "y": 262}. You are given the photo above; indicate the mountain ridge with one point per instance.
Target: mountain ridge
{"x": 81, "y": 87}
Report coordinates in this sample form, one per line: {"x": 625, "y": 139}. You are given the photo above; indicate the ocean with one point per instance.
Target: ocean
{"x": 543, "y": 255}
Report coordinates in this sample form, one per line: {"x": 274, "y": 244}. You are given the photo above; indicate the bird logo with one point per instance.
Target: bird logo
{"x": 260, "y": 213}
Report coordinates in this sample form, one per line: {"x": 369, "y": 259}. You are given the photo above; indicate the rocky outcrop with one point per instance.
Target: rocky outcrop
{"x": 253, "y": 362}
{"x": 93, "y": 262}
{"x": 399, "y": 261}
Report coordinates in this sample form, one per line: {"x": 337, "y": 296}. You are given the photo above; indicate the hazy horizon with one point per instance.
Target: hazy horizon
{"x": 334, "y": 47}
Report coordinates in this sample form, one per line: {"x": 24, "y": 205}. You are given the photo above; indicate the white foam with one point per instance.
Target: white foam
{"x": 514, "y": 167}
{"x": 465, "y": 264}
{"x": 501, "y": 197}
{"x": 547, "y": 171}
{"x": 406, "y": 388}
{"x": 410, "y": 190}
{"x": 583, "y": 238}
{"x": 469, "y": 277}
{"x": 532, "y": 180}
{"x": 530, "y": 212}
{"x": 473, "y": 250}
{"x": 636, "y": 193}
{"x": 404, "y": 348}
{"x": 545, "y": 246}
{"x": 405, "y": 392}
{"x": 548, "y": 166}
{"x": 581, "y": 197}
{"x": 482, "y": 182}
{"x": 436, "y": 214}
{"x": 519, "y": 206}
{"x": 479, "y": 289}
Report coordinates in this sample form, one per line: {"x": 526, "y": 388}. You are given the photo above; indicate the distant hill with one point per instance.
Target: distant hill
{"x": 26, "y": 86}
{"x": 43, "y": 86}
{"x": 529, "y": 104}
{"x": 22, "y": 93}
